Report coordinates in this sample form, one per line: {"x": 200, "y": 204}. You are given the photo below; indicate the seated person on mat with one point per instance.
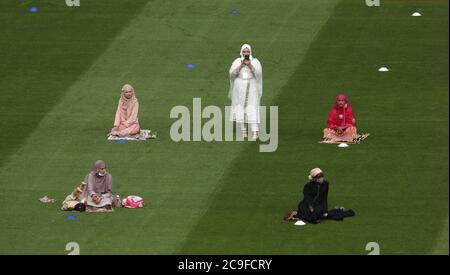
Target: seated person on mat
{"x": 98, "y": 190}
{"x": 315, "y": 198}
{"x": 126, "y": 122}
{"x": 314, "y": 206}
{"x": 341, "y": 126}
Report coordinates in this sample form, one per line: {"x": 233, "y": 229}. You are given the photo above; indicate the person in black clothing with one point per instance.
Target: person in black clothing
{"x": 314, "y": 206}
{"x": 315, "y": 198}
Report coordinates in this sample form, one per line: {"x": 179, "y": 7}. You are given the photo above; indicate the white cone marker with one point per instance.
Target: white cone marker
{"x": 383, "y": 69}
{"x": 416, "y": 14}
{"x": 299, "y": 222}
{"x": 343, "y": 145}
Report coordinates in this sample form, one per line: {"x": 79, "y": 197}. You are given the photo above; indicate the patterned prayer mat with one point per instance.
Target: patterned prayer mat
{"x": 143, "y": 135}
{"x": 358, "y": 140}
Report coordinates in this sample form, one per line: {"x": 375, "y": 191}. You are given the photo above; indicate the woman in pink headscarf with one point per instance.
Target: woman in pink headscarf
{"x": 126, "y": 122}
{"x": 341, "y": 126}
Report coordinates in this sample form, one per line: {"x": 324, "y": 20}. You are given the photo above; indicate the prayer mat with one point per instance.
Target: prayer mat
{"x": 98, "y": 209}
{"x": 143, "y": 135}
{"x": 358, "y": 140}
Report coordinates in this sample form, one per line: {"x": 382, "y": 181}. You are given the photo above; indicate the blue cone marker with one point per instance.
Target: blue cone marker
{"x": 190, "y": 66}
{"x": 71, "y": 217}
{"x": 234, "y": 11}
{"x": 121, "y": 141}
{"x": 34, "y": 9}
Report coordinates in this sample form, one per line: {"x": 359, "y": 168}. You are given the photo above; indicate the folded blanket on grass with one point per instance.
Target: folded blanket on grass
{"x": 143, "y": 135}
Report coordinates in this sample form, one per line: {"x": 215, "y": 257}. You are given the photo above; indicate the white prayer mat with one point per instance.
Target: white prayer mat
{"x": 98, "y": 209}
{"x": 143, "y": 135}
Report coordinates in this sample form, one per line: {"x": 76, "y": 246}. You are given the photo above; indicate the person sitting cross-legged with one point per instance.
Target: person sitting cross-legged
{"x": 98, "y": 189}
{"x": 341, "y": 126}
{"x": 126, "y": 122}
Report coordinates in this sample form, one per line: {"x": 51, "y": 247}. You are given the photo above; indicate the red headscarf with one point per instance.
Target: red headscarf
{"x": 342, "y": 117}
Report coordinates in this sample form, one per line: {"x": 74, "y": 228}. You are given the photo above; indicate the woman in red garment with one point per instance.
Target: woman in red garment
{"x": 341, "y": 126}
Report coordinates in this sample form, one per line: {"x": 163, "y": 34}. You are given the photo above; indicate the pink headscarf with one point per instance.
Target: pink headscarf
{"x": 341, "y": 116}
{"x": 127, "y": 108}
{"x": 127, "y": 104}
{"x": 341, "y": 97}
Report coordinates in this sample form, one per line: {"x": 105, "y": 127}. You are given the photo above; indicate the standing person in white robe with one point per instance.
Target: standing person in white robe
{"x": 246, "y": 91}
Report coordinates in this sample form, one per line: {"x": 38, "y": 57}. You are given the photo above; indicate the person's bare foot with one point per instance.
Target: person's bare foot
{"x": 114, "y": 133}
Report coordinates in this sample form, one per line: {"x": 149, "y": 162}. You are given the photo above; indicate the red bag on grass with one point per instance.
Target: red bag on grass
{"x": 133, "y": 202}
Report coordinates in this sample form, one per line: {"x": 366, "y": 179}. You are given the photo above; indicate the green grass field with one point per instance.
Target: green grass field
{"x": 61, "y": 72}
